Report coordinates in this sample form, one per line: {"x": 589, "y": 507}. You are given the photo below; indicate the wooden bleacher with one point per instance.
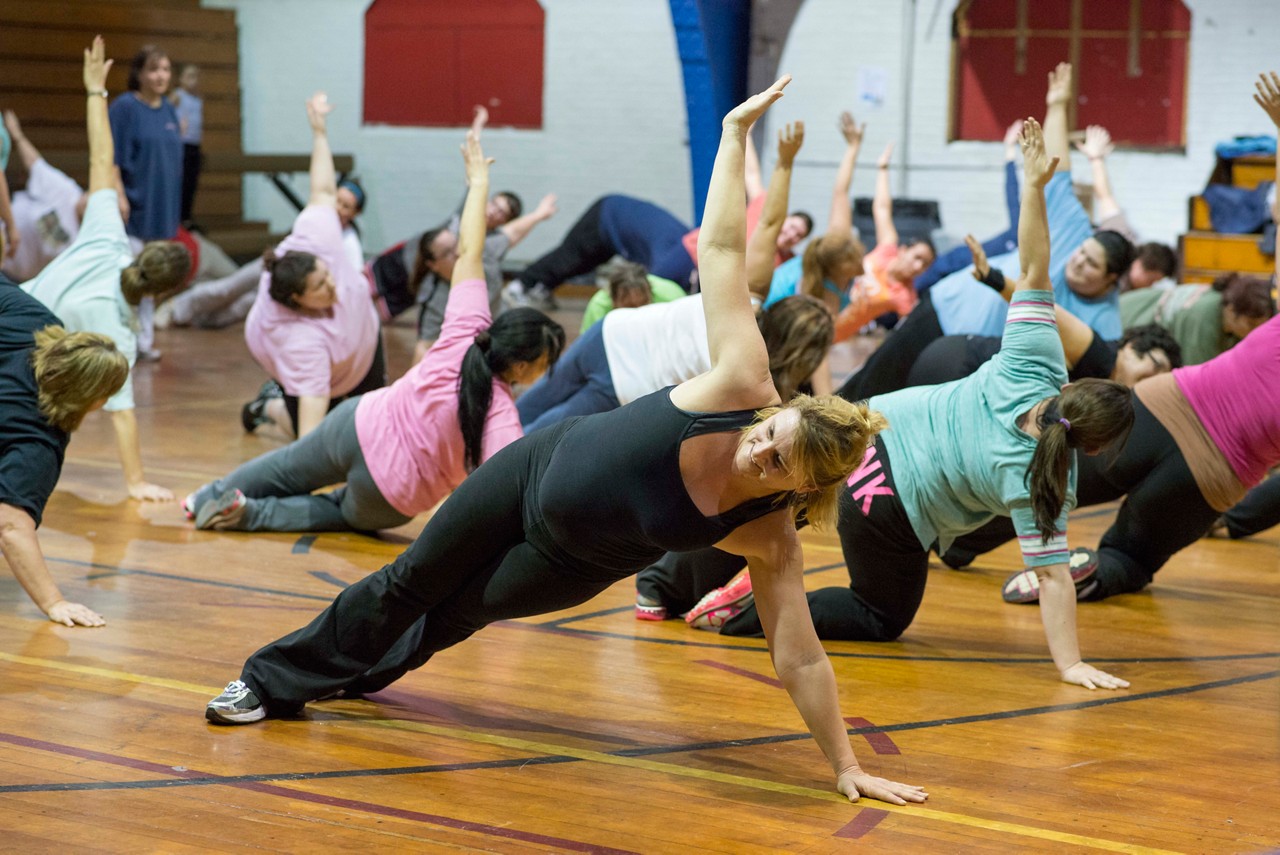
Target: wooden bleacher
{"x": 41, "y": 46}
{"x": 1206, "y": 254}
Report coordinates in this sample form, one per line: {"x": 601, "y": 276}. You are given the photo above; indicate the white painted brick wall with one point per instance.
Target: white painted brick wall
{"x": 613, "y": 116}
{"x": 1231, "y": 41}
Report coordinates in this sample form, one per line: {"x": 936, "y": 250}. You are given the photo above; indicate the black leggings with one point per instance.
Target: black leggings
{"x": 1163, "y": 512}
{"x": 887, "y": 568}
{"x": 1257, "y": 511}
{"x": 583, "y": 249}
{"x": 375, "y": 378}
{"x": 472, "y": 565}
{"x": 887, "y": 369}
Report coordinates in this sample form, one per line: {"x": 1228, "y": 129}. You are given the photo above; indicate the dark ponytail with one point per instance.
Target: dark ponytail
{"x": 519, "y": 335}
{"x": 1090, "y": 414}
{"x": 288, "y": 275}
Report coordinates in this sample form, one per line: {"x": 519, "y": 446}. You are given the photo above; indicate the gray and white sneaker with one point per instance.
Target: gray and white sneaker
{"x": 513, "y": 295}
{"x": 236, "y": 705}
{"x": 222, "y": 512}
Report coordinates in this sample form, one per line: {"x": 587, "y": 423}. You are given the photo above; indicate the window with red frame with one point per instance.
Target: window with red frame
{"x": 429, "y": 62}
{"x": 1129, "y": 57}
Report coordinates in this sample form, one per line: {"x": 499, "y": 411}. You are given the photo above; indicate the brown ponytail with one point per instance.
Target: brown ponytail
{"x": 288, "y": 274}
{"x": 1092, "y": 415}
{"x": 821, "y": 257}
{"x": 161, "y": 266}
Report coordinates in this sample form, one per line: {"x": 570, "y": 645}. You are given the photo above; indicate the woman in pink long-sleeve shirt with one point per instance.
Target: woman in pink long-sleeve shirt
{"x": 402, "y": 449}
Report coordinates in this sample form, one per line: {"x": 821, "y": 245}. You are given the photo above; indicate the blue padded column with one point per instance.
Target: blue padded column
{"x": 712, "y": 37}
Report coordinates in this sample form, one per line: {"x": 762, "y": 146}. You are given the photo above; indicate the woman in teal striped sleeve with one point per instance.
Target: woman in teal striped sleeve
{"x": 1000, "y": 442}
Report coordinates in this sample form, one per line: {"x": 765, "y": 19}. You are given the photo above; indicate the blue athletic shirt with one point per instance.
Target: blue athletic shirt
{"x": 967, "y": 307}
{"x": 786, "y": 283}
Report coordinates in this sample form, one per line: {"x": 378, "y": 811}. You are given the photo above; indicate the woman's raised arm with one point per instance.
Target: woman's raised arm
{"x": 1033, "y": 220}
{"x": 762, "y": 246}
{"x": 739, "y": 375}
{"x": 102, "y": 155}
{"x": 1268, "y": 98}
{"x": 471, "y": 225}
{"x": 882, "y": 202}
{"x": 840, "y": 219}
{"x": 324, "y": 182}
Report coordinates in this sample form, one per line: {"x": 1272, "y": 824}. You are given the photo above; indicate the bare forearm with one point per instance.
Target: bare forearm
{"x": 1058, "y": 613}
{"x": 102, "y": 152}
{"x": 126, "y": 428}
{"x": 841, "y": 215}
{"x": 1102, "y": 194}
{"x": 471, "y": 230}
{"x": 812, "y": 688}
{"x": 1033, "y": 239}
{"x": 763, "y": 243}
{"x": 518, "y": 229}
{"x": 311, "y": 411}
{"x": 882, "y": 208}
{"x": 324, "y": 181}
{"x": 1056, "y": 143}
{"x": 22, "y": 551}
{"x": 27, "y": 153}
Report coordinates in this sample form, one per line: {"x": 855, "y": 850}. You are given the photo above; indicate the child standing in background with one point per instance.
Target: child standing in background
{"x": 190, "y": 107}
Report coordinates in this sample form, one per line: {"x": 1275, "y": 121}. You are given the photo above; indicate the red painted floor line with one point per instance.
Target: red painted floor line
{"x": 880, "y": 742}
{"x": 317, "y": 798}
{"x": 867, "y": 819}
{"x": 742, "y": 672}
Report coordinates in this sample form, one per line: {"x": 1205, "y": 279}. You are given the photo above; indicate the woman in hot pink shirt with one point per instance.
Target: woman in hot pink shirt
{"x": 402, "y": 449}
{"x": 313, "y": 327}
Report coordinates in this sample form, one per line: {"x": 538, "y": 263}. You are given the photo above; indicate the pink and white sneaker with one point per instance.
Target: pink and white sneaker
{"x": 649, "y": 609}
{"x": 718, "y": 606}
{"x": 1024, "y": 586}
{"x": 189, "y": 506}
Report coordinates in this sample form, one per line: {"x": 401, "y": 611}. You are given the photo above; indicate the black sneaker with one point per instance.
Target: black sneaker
{"x": 236, "y": 705}
{"x": 254, "y": 413}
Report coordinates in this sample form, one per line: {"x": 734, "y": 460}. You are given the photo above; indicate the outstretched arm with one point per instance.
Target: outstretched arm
{"x": 9, "y": 246}
{"x": 1076, "y": 335}
{"x": 840, "y": 220}
{"x": 27, "y": 152}
{"x": 752, "y": 175}
{"x": 518, "y": 229}
{"x": 130, "y": 447}
{"x": 102, "y": 154}
{"x": 1055, "y": 118}
{"x": 773, "y": 553}
{"x": 762, "y": 246}
{"x": 22, "y": 550}
{"x": 882, "y": 204}
{"x": 1033, "y": 220}
{"x": 1058, "y": 614}
{"x": 324, "y": 181}
{"x": 1268, "y": 98}
{"x": 471, "y": 227}
{"x": 1097, "y": 146}
{"x": 739, "y": 375}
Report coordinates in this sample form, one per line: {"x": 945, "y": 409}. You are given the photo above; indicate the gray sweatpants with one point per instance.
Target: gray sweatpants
{"x": 218, "y": 303}
{"x": 279, "y": 483}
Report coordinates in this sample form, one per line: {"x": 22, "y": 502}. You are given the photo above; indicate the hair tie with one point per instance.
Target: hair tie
{"x": 1066, "y": 424}
{"x": 482, "y": 340}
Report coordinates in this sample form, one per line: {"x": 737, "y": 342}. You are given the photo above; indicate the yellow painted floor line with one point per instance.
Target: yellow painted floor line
{"x": 550, "y": 749}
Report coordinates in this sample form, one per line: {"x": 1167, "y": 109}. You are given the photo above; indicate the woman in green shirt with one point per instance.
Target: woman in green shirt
{"x": 1204, "y": 319}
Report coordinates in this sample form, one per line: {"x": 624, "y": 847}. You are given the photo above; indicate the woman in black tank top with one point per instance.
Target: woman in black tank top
{"x": 557, "y": 517}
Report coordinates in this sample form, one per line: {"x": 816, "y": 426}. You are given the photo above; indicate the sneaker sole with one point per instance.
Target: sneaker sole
{"x": 216, "y": 716}
{"x": 220, "y": 511}
{"x": 651, "y": 612}
{"x": 699, "y": 613}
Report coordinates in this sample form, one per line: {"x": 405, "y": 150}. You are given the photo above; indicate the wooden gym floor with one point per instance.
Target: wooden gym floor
{"x": 589, "y": 731}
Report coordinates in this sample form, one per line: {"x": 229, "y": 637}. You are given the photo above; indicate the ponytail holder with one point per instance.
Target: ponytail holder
{"x": 482, "y": 340}
{"x": 1066, "y": 424}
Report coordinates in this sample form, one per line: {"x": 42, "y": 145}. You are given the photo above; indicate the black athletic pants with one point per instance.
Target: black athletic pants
{"x": 1258, "y": 511}
{"x": 887, "y": 568}
{"x": 886, "y": 370}
{"x": 473, "y": 564}
{"x": 375, "y": 378}
{"x": 583, "y": 249}
{"x": 1163, "y": 511}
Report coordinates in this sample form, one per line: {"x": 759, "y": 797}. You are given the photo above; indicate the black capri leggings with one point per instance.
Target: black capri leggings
{"x": 887, "y": 568}
{"x": 1163, "y": 512}
{"x": 887, "y": 369}
{"x": 472, "y": 565}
